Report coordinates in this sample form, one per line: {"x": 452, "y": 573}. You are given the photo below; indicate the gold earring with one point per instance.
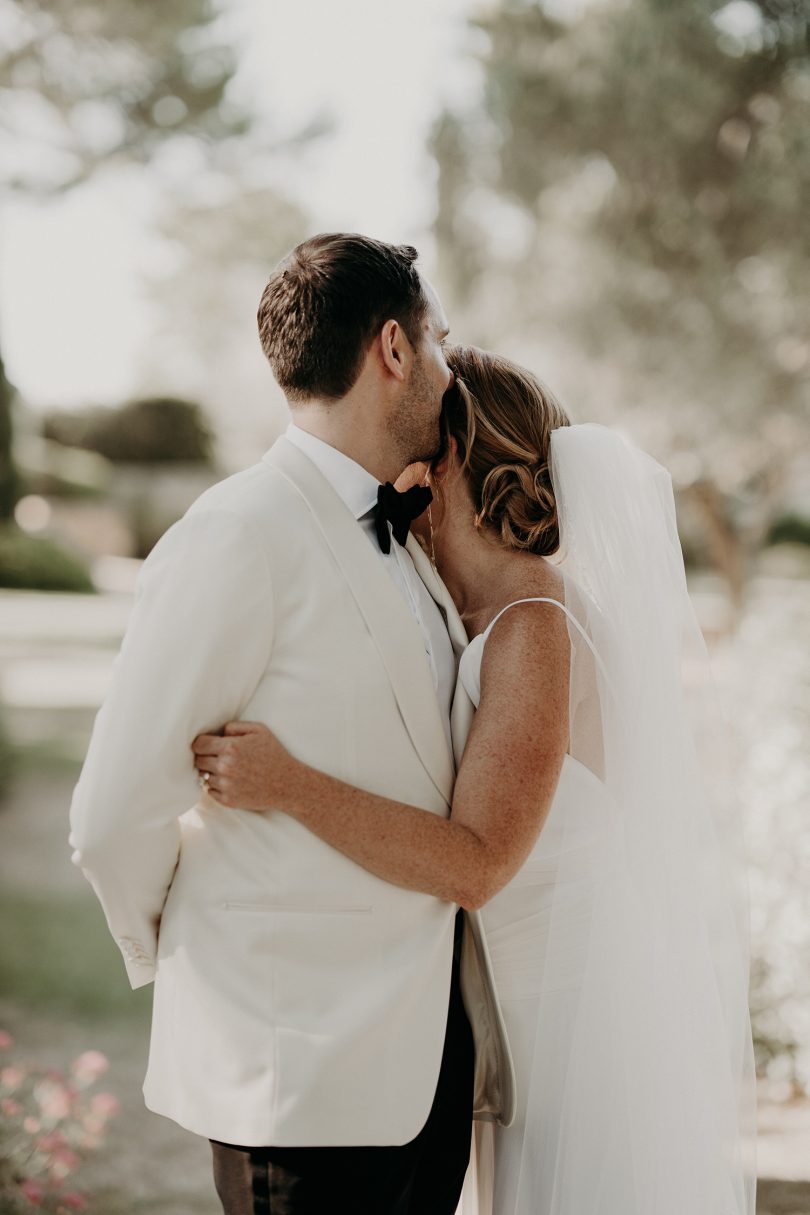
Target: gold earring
{"x": 427, "y": 485}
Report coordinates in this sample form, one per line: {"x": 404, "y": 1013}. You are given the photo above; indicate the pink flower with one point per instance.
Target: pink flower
{"x": 51, "y": 1142}
{"x": 74, "y": 1201}
{"x": 33, "y": 1190}
{"x": 31, "y": 1125}
{"x": 105, "y": 1105}
{"x": 62, "y": 1162}
{"x": 6, "y": 1040}
{"x": 12, "y": 1077}
{"x": 10, "y": 1107}
{"x": 54, "y": 1100}
{"x": 90, "y": 1065}
{"x": 93, "y": 1124}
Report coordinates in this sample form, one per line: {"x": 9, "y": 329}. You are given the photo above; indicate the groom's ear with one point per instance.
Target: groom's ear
{"x": 395, "y": 349}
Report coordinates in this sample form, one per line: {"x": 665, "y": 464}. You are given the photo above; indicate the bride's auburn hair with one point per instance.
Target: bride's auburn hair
{"x": 501, "y": 417}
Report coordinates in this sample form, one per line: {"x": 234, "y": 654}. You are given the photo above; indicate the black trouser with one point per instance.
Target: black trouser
{"x": 423, "y": 1177}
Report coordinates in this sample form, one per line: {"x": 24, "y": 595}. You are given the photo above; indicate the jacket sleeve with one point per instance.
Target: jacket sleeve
{"x": 198, "y": 641}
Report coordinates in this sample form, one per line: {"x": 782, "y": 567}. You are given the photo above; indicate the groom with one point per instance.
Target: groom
{"x": 308, "y": 1016}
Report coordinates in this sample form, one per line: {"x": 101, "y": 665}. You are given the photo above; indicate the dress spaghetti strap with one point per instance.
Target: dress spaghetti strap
{"x": 577, "y": 625}
{"x": 539, "y": 599}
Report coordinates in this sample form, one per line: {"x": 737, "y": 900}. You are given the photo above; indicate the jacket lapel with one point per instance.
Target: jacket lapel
{"x": 395, "y": 631}
{"x": 463, "y": 710}
{"x": 439, "y": 592}
{"x": 494, "y": 1093}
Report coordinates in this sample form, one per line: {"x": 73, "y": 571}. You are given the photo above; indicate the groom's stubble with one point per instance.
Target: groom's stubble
{"x": 415, "y": 425}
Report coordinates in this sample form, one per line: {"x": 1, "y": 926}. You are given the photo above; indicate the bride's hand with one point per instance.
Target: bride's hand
{"x": 245, "y": 766}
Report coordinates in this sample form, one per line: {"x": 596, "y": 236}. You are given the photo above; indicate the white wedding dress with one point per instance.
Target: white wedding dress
{"x": 619, "y": 949}
{"x": 538, "y": 993}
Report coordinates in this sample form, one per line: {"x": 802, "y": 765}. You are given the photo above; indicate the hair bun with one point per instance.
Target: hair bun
{"x": 517, "y": 500}
{"x": 502, "y": 418}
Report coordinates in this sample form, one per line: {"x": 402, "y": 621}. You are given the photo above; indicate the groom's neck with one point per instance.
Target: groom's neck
{"x": 350, "y": 429}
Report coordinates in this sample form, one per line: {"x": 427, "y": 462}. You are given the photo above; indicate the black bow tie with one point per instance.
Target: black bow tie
{"x": 398, "y": 510}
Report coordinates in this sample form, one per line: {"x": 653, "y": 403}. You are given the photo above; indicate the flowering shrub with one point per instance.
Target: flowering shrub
{"x": 48, "y": 1122}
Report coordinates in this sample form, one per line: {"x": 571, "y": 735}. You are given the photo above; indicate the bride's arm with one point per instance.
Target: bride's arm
{"x": 502, "y": 795}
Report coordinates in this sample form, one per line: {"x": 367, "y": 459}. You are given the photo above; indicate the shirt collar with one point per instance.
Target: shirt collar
{"x": 355, "y": 485}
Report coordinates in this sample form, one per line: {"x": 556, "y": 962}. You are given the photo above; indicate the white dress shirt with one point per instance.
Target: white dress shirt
{"x": 358, "y": 489}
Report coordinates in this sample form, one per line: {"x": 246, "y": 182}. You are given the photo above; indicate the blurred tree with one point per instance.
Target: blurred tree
{"x": 634, "y": 187}
{"x": 86, "y": 84}
{"x": 790, "y": 529}
{"x": 8, "y": 756}
{"x": 152, "y": 430}
{"x": 9, "y": 479}
{"x": 91, "y": 83}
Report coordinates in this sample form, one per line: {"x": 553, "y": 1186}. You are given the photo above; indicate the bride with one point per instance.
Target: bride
{"x": 581, "y": 822}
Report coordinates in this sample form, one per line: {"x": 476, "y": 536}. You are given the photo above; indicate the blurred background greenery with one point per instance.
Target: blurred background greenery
{"x": 614, "y": 192}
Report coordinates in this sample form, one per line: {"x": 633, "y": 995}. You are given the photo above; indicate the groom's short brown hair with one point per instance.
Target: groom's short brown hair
{"x": 326, "y": 301}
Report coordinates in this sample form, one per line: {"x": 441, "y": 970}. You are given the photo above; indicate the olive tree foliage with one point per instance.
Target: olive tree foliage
{"x": 87, "y": 83}
{"x": 627, "y": 206}
{"x": 91, "y": 84}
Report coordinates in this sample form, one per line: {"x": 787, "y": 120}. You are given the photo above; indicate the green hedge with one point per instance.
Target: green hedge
{"x": 790, "y": 529}
{"x": 38, "y": 564}
{"x": 150, "y": 430}
{"x": 8, "y": 757}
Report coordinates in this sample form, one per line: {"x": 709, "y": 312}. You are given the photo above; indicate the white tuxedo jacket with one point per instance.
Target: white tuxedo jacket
{"x": 299, "y": 1000}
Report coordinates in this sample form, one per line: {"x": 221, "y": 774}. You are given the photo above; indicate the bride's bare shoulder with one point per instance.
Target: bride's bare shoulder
{"x": 539, "y": 580}
{"x": 529, "y": 641}
{"x": 550, "y": 581}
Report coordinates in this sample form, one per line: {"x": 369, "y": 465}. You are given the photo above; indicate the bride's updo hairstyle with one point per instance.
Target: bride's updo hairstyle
{"x": 502, "y": 417}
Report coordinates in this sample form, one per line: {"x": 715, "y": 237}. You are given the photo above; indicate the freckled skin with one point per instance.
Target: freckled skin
{"x": 504, "y": 787}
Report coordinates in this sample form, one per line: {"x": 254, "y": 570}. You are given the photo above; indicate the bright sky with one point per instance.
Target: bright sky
{"x": 72, "y": 318}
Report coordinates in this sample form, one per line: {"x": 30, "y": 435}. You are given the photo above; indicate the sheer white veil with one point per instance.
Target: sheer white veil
{"x": 657, "y": 1107}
